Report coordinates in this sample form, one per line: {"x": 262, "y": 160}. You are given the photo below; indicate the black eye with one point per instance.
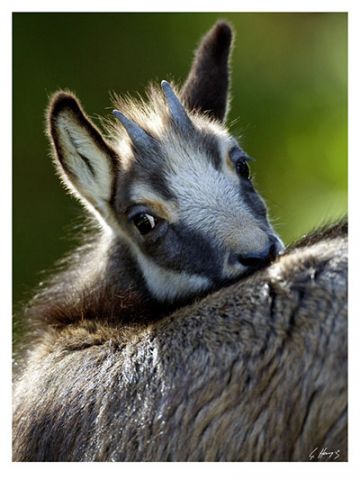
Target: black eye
{"x": 144, "y": 222}
{"x": 242, "y": 169}
{"x": 240, "y": 160}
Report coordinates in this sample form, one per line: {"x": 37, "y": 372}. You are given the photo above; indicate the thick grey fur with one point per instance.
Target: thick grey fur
{"x": 253, "y": 372}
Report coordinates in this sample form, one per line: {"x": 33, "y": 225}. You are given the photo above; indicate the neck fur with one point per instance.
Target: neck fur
{"x": 101, "y": 282}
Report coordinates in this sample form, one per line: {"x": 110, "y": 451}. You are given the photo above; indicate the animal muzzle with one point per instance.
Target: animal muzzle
{"x": 254, "y": 259}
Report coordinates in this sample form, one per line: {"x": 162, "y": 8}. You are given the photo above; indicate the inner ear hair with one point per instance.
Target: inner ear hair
{"x": 206, "y": 87}
{"x": 85, "y": 161}
{"x": 66, "y": 103}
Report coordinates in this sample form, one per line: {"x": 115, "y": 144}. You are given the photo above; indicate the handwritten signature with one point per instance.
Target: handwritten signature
{"x": 324, "y": 454}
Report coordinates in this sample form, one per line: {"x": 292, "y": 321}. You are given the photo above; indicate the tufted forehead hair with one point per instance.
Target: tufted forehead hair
{"x": 152, "y": 115}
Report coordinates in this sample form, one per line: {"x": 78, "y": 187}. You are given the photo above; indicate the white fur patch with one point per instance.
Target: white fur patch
{"x": 167, "y": 285}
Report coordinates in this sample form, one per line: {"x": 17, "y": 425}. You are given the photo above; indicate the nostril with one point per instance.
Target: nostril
{"x": 258, "y": 259}
{"x": 252, "y": 260}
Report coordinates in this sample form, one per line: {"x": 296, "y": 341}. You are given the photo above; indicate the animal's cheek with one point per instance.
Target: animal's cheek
{"x": 186, "y": 251}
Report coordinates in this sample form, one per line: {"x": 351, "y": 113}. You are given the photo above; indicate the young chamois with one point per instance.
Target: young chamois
{"x": 172, "y": 192}
{"x": 255, "y": 371}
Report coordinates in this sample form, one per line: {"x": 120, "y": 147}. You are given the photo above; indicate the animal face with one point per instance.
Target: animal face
{"x": 172, "y": 182}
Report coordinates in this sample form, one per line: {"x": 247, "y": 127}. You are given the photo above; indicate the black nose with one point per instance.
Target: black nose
{"x": 258, "y": 259}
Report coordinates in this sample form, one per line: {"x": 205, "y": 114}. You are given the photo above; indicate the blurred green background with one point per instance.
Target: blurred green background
{"x": 289, "y": 88}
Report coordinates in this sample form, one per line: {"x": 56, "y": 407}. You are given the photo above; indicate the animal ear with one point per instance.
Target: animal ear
{"x": 85, "y": 161}
{"x": 206, "y": 87}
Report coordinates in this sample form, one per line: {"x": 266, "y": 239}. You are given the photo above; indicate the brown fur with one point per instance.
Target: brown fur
{"x": 255, "y": 371}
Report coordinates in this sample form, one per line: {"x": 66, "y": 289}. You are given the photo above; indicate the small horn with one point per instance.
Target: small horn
{"x": 138, "y": 136}
{"x": 177, "y": 111}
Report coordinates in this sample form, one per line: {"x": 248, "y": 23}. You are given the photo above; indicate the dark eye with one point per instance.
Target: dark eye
{"x": 144, "y": 222}
{"x": 242, "y": 169}
{"x": 240, "y": 160}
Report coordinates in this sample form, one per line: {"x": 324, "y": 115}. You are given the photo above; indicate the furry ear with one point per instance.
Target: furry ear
{"x": 85, "y": 161}
{"x": 206, "y": 87}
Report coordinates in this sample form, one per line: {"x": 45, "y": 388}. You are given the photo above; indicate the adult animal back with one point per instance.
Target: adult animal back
{"x": 255, "y": 371}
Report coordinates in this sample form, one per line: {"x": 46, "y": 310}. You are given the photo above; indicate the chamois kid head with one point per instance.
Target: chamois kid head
{"x": 169, "y": 181}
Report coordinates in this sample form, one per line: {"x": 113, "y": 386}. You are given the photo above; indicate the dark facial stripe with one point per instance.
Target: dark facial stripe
{"x": 182, "y": 249}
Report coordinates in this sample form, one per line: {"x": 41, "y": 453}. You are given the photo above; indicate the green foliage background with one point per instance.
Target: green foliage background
{"x": 289, "y": 89}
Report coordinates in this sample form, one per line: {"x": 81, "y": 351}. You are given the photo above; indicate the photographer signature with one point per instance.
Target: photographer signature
{"x": 324, "y": 454}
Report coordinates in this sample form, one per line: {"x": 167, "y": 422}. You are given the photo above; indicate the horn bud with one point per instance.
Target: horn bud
{"x": 138, "y": 136}
{"x": 177, "y": 110}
